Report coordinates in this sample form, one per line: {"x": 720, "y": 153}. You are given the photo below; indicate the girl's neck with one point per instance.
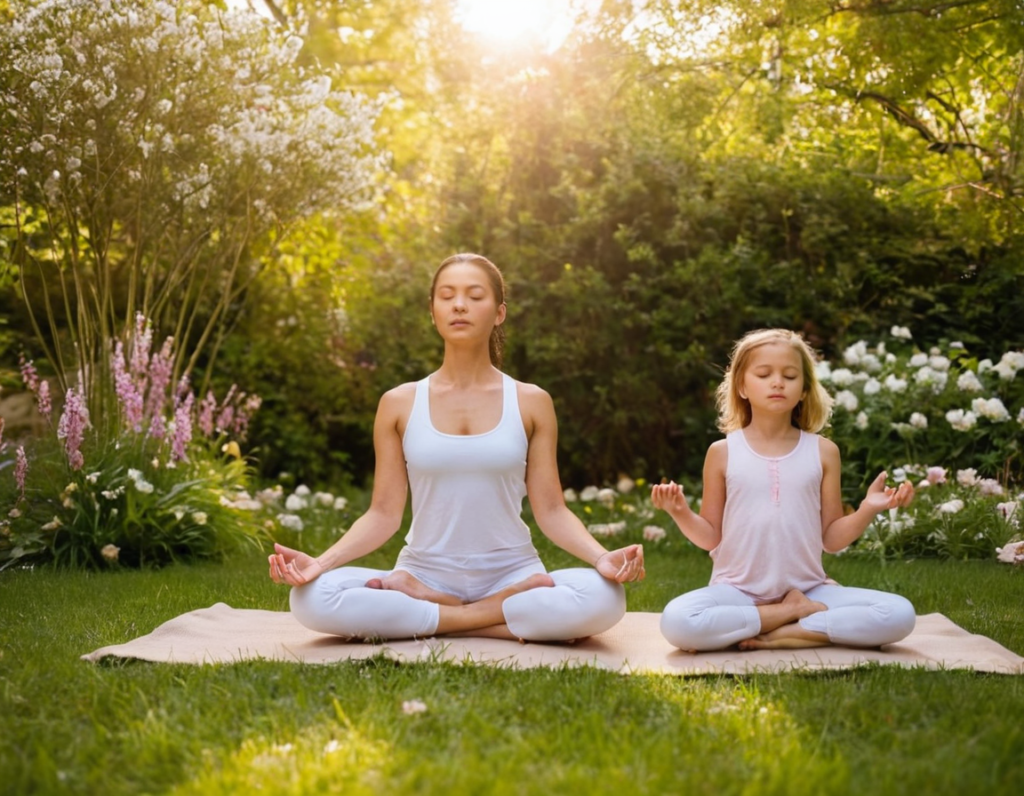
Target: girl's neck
{"x": 771, "y": 428}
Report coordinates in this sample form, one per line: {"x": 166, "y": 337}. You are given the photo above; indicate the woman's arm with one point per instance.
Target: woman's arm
{"x": 704, "y": 529}
{"x": 387, "y": 503}
{"x": 840, "y": 530}
{"x": 547, "y": 500}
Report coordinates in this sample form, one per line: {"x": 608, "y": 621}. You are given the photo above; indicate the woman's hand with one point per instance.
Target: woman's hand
{"x": 622, "y": 565}
{"x": 293, "y": 567}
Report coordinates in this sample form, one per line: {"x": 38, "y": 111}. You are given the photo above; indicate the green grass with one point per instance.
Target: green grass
{"x": 67, "y": 726}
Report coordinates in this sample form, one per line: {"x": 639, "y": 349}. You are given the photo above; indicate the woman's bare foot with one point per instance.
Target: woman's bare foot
{"x": 788, "y": 637}
{"x": 805, "y": 605}
{"x": 402, "y": 581}
{"x": 486, "y": 613}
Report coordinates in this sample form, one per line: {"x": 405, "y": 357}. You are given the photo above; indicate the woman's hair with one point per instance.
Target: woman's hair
{"x": 813, "y": 411}
{"x": 496, "y": 344}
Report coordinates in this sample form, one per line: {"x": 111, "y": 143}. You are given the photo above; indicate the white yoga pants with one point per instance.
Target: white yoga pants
{"x": 581, "y": 603}
{"x": 719, "y": 616}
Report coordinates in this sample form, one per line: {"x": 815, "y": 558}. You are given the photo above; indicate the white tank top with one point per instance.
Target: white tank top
{"x": 771, "y": 527}
{"x": 467, "y": 495}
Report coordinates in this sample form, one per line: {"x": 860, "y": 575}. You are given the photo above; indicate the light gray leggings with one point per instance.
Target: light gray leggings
{"x": 719, "y": 616}
{"x": 581, "y": 603}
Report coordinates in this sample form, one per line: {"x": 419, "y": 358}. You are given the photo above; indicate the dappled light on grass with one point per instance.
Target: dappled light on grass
{"x": 331, "y": 757}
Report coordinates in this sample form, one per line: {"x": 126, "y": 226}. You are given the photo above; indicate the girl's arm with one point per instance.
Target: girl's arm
{"x": 704, "y": 529}
{"x": 840, "y": 530}
{"x": 387, "y": 503}
{"x": 547, "y": 500}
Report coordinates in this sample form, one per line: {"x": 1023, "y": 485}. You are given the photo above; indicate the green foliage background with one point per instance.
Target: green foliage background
{"x": 650, "y": 194}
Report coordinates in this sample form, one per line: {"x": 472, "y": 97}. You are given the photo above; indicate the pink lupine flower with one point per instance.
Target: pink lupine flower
{"x": 128, "y": 394}
{"x": 160, "y": 367}
{"x": 226, "y": 416}
{"x": 206, "y": 409}
{"x": 43, "y": 399}
{"x": 245, "y": 413}
{"x": 28, "y": 373}
{"x": 71, "y": 428}
{"x": 142, "y": 340}
{"x": 21, "y": 471}
{"x": 182, "y": 429}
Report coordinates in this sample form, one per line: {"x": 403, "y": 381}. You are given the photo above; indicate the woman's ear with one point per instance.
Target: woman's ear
{"x": 502, "y": 312}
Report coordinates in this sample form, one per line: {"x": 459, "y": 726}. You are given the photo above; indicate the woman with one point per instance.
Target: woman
{"x": 471, "y": 442}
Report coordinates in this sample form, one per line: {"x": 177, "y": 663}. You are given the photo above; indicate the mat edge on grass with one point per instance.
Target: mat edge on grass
{"x": 222, "y": 634}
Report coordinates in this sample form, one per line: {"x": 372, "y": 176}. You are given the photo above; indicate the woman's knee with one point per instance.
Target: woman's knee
{"x": 901, "y": 619}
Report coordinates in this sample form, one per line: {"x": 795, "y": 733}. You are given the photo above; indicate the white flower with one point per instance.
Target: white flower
{"x": 607, "y": 528}
{"x": 900, "y": 332}
{"x": 606, "y": 497}
{"x": 894, "y": 384}
{"x": 1012, "y": 553}
{"x": 927, "y": 375}
{"x": 967, "y": 477}
{"x": 199, "y": 517}
{"x": 951, "y": 506}
{"x": 295, "y": 503}
{"x": 991, "y": 409}
{"x": 968, "y": 382}
{"x": 1020, "y": 416}
{"x": 340, "y": 503}
{"x": 570, "y": 496}
{"x": 842, "y": 377}
{"x": 853, "y": 354}
{"x": 984, "y": 365}
{"x": 412, "y": 706}
{"x": 872, "y": 386}
{"x": 110, "y": 552}
{"x": 653, "y": 533}
{"x": 589, "y": 494}
{"x": 325, "y": 499}
{"x": 917, "y": 420}
{"x": 862, "y": 420}
{"x": 625, "y": 485}
{"x": 823, "y": 370}
{"x": 918, "y": 361}
{"x": 961, "y": 420}
{"x": 938, "y": 362}
{"x": 52, "y": 525}
{"x": 1006, "y": 371}
{"x": 989, "y": 487}
{"x": 847, "y": 400}
{"x": 303, "y": 491}
{"x": 291, "y": 521}
{"x": 1008, "y": 509}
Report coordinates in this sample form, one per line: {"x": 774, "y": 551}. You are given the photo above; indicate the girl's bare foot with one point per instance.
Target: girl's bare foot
{"x": 402, "y": 581}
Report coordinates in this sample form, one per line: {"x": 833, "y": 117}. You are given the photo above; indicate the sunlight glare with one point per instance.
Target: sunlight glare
{"x": 508, "y": 20}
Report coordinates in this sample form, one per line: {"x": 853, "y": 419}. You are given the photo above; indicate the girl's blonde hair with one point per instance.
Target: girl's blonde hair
{"x": 813, "y": 411}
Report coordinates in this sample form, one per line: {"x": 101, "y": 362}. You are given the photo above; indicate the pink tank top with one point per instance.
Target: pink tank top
{"x": 771, "y": 528}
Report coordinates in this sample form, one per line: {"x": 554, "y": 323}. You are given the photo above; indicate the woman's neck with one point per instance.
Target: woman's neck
{"x": 462, "y": 368}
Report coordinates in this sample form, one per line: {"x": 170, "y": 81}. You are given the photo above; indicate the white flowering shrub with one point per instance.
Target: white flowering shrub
{"x": 947, "y": 421}
{"x": 151, "y": 154}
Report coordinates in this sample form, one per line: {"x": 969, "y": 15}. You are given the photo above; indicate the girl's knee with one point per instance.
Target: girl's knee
{"x": 679, "y": 623}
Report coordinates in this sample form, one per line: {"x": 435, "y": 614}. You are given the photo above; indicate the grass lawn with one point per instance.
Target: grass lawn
{"x": 67, "y": 726}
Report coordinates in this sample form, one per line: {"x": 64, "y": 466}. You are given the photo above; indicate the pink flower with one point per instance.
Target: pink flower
{"x": 182, "y": 429}
{"x": 142, "y": 340}
{"x": 28, "y": 374}
{"x": 71, "y": 428}
{"x": 129, "y": 394}
{"x": 43, "y": 399}
{"x": 160, "y": 367}
{"x": 21, "y": 471}
{"x": 206, "y": 409}
{"x": 936, "y": 475}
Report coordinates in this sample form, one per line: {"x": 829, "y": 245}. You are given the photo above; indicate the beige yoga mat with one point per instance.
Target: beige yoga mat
{"x": 222, "y": 634}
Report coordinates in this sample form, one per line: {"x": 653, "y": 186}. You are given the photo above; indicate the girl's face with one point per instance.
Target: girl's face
{"x": 773, "y": 380}
{"x": 464, "y": 306}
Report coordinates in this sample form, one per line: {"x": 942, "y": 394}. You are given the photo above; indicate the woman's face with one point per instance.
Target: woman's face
{"x": 464, "y": 305}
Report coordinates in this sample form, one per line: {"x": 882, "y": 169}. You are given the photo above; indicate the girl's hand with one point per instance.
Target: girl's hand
{"x": 881, "y": 497}
{"x": 622, "y": 565}
{"x": 293, "y": 567}
{"x": 669, "y": 497}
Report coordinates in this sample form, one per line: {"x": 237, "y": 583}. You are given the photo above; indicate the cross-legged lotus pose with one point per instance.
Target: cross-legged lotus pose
{"x": 771, "y": 505}
{"x": 471, "y": 443}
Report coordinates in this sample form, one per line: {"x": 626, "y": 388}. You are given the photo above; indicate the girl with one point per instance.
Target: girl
{"x": 771, "y": 504}
{"x": 471, "y": 443}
